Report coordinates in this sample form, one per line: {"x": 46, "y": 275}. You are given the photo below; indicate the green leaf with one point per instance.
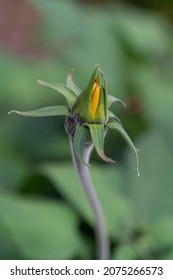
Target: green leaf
{"x": 113, "y": 124}
{"x": 125, "y": 252}
{"x": 142, "y": 32}
{"x": 162, "y": 231}
{"x": 97, "y": 132}
{"x": 112, "y": 99}
{"x": 71, "y": 84}
{"x": 152, "y": 194}
{"x": 107, "y": 180}
{"x": 12, "y": 163}
{"x": 40, "y": 229}
{"x": 69, "y": 94}
{"x": 139, "y": 248}
{"x": 45, "y": 112}
{"x": 8, "y": 252}
{"x": 80, "y": 139}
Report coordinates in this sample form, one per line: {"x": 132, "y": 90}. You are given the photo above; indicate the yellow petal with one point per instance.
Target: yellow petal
{"x": 95, "y": 98}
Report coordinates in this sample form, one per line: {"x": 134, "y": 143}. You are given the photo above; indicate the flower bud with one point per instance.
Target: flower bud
{"x": 91, "y": 105}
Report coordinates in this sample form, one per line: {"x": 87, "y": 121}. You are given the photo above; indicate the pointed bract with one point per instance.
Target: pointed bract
{"x": 97, "y": 135}
{"x": 80, "y": 140}
{"x": 113, "y": 124}
{"x": 71, "y": 84}
{"x": 45, "y": 112}
{"x": 112, "y": 99}
{"x": 69, "y": 94}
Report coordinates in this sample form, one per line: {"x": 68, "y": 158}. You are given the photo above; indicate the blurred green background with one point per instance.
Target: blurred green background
{"x": 44, "y": 213}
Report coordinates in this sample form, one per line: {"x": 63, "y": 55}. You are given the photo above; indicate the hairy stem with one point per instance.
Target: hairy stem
{"x": 103, "y": 250}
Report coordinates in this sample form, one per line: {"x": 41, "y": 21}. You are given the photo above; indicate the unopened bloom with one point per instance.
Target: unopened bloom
{"x": 91, "y": 105}
{"x": 87, "y": 115}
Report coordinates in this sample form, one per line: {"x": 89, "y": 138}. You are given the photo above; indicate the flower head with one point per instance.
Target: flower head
{"x": 87, "y": 115}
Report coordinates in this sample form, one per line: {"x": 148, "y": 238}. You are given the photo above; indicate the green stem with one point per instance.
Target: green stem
{"x": 103, "y": 247}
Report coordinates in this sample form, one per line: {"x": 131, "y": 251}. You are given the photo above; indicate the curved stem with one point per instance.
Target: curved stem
{"x": 103, "y": 250}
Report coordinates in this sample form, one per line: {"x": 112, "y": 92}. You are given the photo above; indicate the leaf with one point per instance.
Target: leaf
{"x": 7, "y": 252}
{"x": 142, "y": 32}
{"x": 97, "y": 134}
{"x": 40, "y": 229}
{"x": 12, "y": 163}
{"x": 152, "y": 194}
{"x": 54, "y": 21}
{"x": 80, "y": 139}
{"x": 162, "y": 231}
{"x": 113, "y": 124}
{"x": 125, "y": 252}
{"x": 107, "y": 180}
{"x": 45, "y": 112}
{"x": 167, "y": 255}
{"x": 17, "y": 79}
{"x": 139, "y": 248}
{"x": 71, "y": 84}
{"x": 112, "y": 99}
{"x": 147, "y": 79}
{"x": 63, "y": 89}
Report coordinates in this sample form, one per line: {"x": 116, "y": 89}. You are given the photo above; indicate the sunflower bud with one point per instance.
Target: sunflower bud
{"x": 91, "y": 105}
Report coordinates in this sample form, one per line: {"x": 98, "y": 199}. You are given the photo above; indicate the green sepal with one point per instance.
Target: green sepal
{"x": 71, "y": 84}
{"x": 80, "y": 139}
{"x": 102, "y": 111}
{"x": 69, "y": 94}
{"x": 112, "y": 99}
{"x": 111, "y": 115}
{"x": 81, "y": 107}
{"x": 45, "y": 112}
{"x": 97, "y": 133}
{"x": 113, "y": 124}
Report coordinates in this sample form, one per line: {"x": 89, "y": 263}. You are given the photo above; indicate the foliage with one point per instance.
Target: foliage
{"x": 43, "y": 211}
